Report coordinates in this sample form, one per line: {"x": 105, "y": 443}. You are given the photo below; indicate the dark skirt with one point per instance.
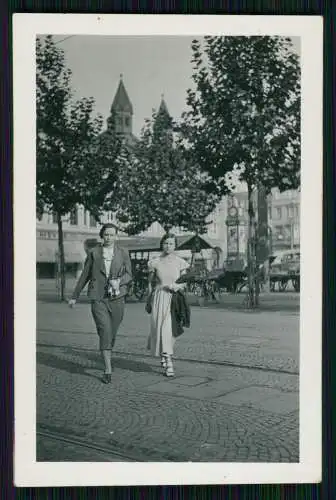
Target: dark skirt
{"x": 107, "y": 315}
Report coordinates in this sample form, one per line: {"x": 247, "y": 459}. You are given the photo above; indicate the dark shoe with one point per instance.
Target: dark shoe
{"x": 107, "y": 378}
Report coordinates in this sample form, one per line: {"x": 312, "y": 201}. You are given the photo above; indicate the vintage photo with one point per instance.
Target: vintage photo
{"x": 171, "y": 255}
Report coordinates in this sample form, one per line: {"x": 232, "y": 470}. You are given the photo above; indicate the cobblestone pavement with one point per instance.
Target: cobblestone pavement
{"x": 267, "y": 340}
{"x": 209, "y": 412}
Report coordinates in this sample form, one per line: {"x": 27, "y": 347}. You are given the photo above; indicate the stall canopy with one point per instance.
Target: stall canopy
{"x": 189, "y": 242}
{"x": 152, "y": 244}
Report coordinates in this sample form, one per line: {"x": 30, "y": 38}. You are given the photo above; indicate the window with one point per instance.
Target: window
{"x": 85, "y": 218}
{"x": 278, "y": 212}
{"x": 278, "y": 232}
{"x": 287, "y": 232}
{"x": 93, "y": 222}
{"x": 54, "y": 218}
{"x": 290, "y": 211}
{"x": 74, "y": 217}
{"x": 127, "y": 121}
{"x": 269, "y": 213}
{"x": 297, "y": 211}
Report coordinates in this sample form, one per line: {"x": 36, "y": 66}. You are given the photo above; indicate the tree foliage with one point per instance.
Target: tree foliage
{"x": 75, "y": 162}
{"x": 244, "y": 117}
{"x": 245, "y": 110}
{"x": 159, "y": 183}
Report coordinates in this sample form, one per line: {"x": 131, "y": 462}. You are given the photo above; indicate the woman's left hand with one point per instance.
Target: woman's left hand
{"x": 177, "y": 286}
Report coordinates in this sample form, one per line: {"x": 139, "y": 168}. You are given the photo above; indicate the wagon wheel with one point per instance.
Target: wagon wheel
{"x": 296, "y": 284}
{"x": 129, "y": 292}
{"x": 216, "y": 291}
{"x": 139, "y": 290}
{"x": 241, "y": 286}
{"x": 283, "y": 285}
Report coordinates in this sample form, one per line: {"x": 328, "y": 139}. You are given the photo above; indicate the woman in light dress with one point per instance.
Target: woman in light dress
{"x": 163, "y": 273}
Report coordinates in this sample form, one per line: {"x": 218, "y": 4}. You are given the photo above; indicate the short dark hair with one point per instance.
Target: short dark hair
{"x": 168, "y": 236}
{"x": 107, "y": 226}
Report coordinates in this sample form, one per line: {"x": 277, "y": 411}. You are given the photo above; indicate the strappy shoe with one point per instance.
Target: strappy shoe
{"x": 169, "y": 371}
{"x": 163, "y": 362}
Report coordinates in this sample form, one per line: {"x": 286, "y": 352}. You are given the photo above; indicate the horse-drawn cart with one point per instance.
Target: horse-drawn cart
{"x": 285, "y": 270}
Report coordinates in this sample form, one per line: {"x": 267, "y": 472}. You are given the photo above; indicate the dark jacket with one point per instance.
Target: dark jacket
{"x": 180, "y": 313}
{"x": 94, "y": 273}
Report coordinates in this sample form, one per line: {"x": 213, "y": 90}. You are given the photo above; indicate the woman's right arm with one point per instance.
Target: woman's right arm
{"x": 83, "y": 279}
{"x": 151, "y": 278}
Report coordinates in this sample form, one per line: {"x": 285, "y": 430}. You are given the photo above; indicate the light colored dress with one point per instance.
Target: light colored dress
{"x": 168, "y": 268}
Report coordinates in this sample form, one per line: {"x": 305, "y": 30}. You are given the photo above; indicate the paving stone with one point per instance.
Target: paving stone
{"x": 191, "y": 381}
{"x": 162, "y": 419}
{"x": 212, "y": 389}
{"x": 282, "y": 404}
{"x": 250, "y": 395}
{"x": 246, "y": 341}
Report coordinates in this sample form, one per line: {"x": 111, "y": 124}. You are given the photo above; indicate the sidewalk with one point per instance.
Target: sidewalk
{"x": 276, "y": 301}
{"x": 213, "y": 410}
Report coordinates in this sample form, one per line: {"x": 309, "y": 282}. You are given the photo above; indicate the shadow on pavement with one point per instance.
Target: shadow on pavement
{"x": 54, "y": 361}
{"x": 91, "y": 359}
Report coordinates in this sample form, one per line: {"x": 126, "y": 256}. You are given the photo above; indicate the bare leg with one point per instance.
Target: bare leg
{"x": 107, "y": 355}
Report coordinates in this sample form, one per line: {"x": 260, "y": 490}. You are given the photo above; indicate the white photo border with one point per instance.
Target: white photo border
{"x": 28, "y": 472}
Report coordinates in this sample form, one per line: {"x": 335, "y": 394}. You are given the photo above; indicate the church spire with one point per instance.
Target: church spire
{"x": 122, "y": 110}
{"x": 163, "y": 124}
{"x": 163, "y": 106}
{"x": 121, "y": 101}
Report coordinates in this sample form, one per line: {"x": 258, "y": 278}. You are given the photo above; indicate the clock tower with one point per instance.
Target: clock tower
{"x": 236, "y": 223}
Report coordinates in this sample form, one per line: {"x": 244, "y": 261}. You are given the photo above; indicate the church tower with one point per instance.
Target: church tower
{"x": 122, "y": 111}
{"x": 163, "y": 122}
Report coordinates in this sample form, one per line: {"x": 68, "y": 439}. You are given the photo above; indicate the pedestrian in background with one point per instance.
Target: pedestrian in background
{"x": 167, "y": 304}
{"x": 108, "y": 271}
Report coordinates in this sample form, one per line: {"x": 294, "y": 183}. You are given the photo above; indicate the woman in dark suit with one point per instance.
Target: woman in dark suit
{"x": 108, "y": 271}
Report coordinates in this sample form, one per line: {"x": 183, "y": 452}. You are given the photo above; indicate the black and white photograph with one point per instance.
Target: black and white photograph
{"x": 168, "y": 208}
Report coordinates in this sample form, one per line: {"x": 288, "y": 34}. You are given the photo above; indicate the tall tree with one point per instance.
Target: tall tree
{"x": 160, "y": 183}
{"x": 73, "y": 161}
{"x": 244, "y": 116}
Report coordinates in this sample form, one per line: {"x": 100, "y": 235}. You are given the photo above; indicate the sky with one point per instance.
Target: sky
{"x": 150, "y": 65}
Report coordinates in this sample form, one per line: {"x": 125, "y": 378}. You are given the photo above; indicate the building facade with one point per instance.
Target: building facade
{"x": 279, "y": 215}
{"x": 284, "y": 219}
{"x": 80, "y": 225}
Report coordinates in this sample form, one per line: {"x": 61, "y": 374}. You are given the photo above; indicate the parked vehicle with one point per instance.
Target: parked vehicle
{"x": 285, "y": 269}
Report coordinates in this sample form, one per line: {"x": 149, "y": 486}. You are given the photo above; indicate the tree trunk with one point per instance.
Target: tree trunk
{"x": 61, "y": 255}
{"x": 252, "y": 299}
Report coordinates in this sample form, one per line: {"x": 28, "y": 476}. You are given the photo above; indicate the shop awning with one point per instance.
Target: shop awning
{"x": 47, "y": 251}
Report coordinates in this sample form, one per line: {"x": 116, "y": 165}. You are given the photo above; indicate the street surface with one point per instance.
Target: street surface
{"x": 234, "y": 397}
